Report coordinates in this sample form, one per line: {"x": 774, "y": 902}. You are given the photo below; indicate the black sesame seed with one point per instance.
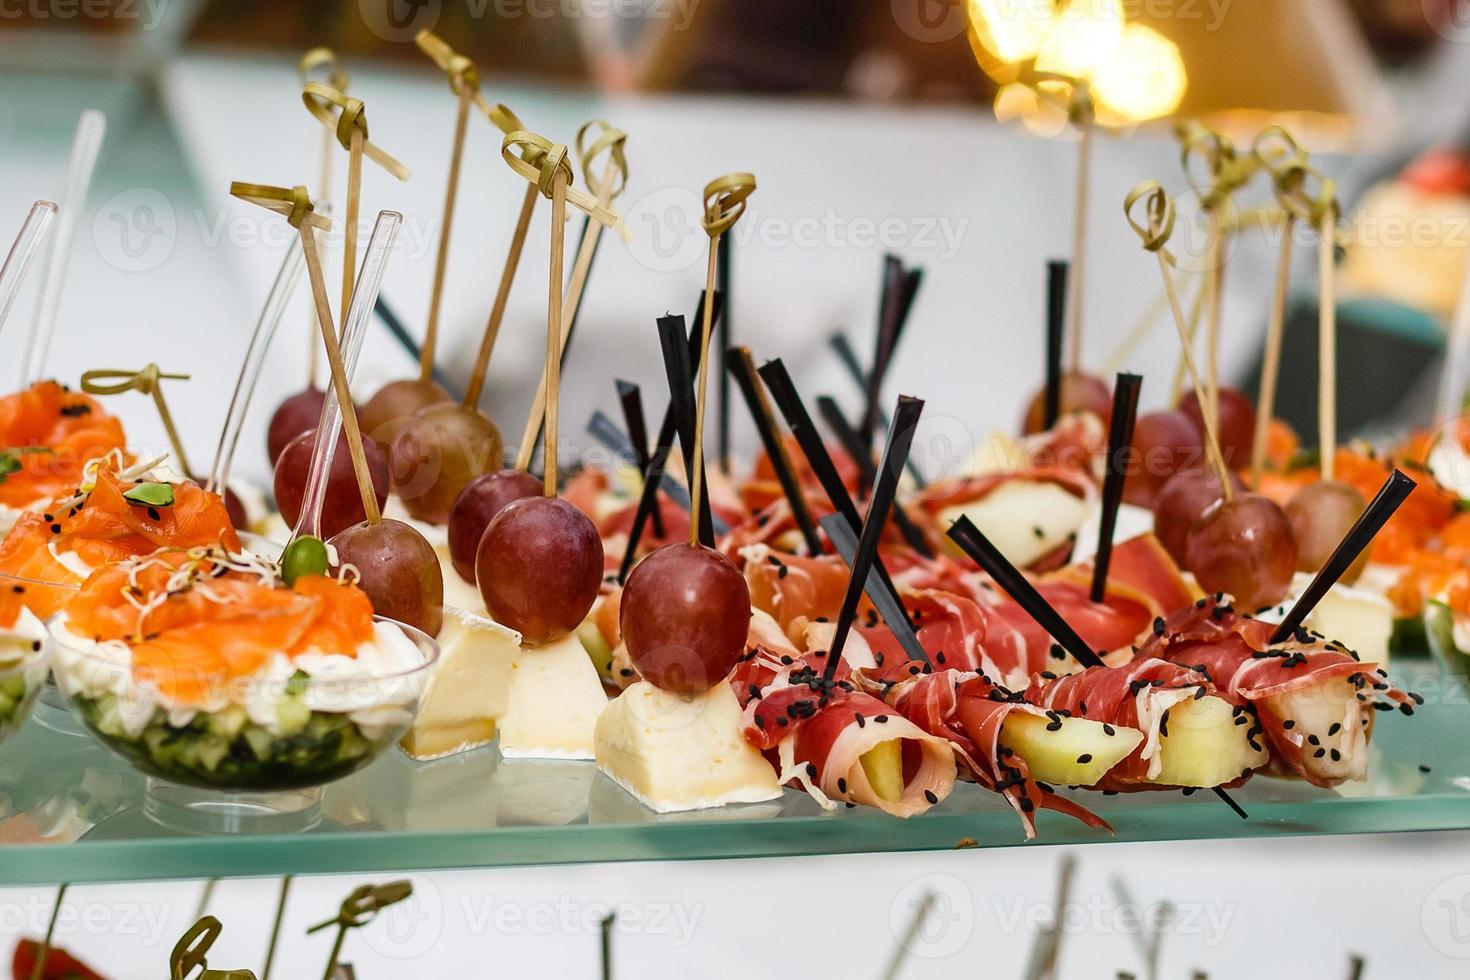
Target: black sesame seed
{"x": 929, "y": 795}
{"x": 1084, "y": 758}
{"x": 1109, "y": 730}
{"x": 841, "y": 785}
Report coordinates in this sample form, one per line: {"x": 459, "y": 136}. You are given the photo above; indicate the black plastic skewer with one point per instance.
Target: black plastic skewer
{"x": 630, "y": 397}
{"x": 839, "y": 344}
{"x": 885, "y": 489}
{"x": 900, "y": 287}
{"x": 1056, "y": 325}
{"x": 410, "y": 346}
{"x": 649, "y": 498}
{"x": 602, "y": 428}
{"x": 1015, "y": 584}
{"x": 852, "y": 442}
{"x": 845, "y": 540}
{"x": 783, "y": 392}
{"x": 1120, "y": 441}
{"x": 742, "y": 367}
{"x": 1393, "y": 493}
{"x": 674, "y": 343}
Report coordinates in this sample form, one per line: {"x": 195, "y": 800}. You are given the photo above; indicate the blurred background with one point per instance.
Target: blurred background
{"x": 913, "y": 127}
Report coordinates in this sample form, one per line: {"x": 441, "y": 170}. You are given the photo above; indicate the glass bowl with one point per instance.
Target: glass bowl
{"x": 273, "y": 732}
{"x": 26, "y": 652}
{"x": 21, "y": 681}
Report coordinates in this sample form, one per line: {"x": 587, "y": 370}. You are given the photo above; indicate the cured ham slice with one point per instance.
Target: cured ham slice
{"x": 1313, "y": 700}
{"x": 839, "y": 744}
{"x": 794, "y": 589}
{"x": 971, "y": 713}
{"x": 1192, "y": 737}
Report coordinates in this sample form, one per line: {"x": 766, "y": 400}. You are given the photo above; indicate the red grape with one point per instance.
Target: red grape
{"x": 1321, "y": 515}
{"x": 1080, "y": 393}
{"x": 1237, "y": 429}
{"x": 539, "y": 567}
{"x": 1164, "y": 443}
{"x": 1245, "y": 548}
{"x": 478, "y": 503}
{"x": 685, "y": 615}
{"x": 398, "y": 570}
{"x": 343, "y": 505}
{"x": 384, "y": 414}
{"x": 302, "y": 412}
{"x": 1184, "y": 497}
{"x": 235, "y": 507}
{"x": 437, "y": 454}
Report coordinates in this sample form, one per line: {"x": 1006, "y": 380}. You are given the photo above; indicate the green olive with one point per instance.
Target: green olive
{"x": 304, "y": 556}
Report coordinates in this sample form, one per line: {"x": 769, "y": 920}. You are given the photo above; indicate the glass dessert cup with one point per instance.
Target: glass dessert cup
{"x": 52, "y": 712}
{"x": 259, "y": 751}
{"x": 20, "y": 684}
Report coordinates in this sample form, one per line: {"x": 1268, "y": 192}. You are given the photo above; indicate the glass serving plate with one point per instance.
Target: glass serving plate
{"x": 476, "y": 810}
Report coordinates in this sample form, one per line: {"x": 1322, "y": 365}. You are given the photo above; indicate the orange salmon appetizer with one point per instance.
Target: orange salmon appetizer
{"x": 206, "y": 668}
{"x": 109, "y": 519}
{"x": 48, "y": 435}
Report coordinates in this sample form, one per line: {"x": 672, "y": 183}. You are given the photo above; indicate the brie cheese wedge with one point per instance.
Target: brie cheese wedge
{"x": 1359, "y": 619}
{"x": 553, "y": 699}
{"x": 1025, "y": 519}
{"x": 468, "y": 689}
{"x": 674, "y": 753}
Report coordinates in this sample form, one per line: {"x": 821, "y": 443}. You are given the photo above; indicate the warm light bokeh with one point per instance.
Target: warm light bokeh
{"x": 1135, "y": 72}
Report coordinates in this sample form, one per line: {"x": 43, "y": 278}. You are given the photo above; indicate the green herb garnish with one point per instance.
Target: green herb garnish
{"x": 151, "y": 495}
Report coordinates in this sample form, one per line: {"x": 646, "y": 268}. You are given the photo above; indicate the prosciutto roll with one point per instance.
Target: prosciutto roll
{"x": 839, "y": 744}
{"x": 1313, "y": 700}
{"x": 1192, "y": 737}
{"x": 971, "y": 713}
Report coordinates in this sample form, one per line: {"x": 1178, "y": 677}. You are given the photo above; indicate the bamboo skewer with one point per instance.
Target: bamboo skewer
{"x": 606, "y": 189}
{"x": 1079, "y": 240}
{"x": 343, "y": 114}
{"x": 553, "y": 178}
{"x": 338, "y": 79}
{"x": 1327, "y": 347}
{"x": 724, "y": 204}
{"x": 1155, "y": 234}
{"x": 502, "y": 297}
{"x": 39, "y": 969}
{"x": 296, "y": 205}
{"x": 1271, "y": 361}
{"x": 270, "y": 949}
{"x": 464, "y": 81}
{"x": 508, "y": 123}
{"x": 339, "y": 376}
{"x": 145, "y": 382}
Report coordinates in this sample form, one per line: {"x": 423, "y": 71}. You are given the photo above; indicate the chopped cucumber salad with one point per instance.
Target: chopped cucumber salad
{"x": 225, "y": 749}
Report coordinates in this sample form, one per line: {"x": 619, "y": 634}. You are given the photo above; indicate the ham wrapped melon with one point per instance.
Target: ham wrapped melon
{"x": 838, "y": 743}
{"x": 1192, "y": 737}
{"x": 995, "y": 734}
{"x": 1313, "y": 700}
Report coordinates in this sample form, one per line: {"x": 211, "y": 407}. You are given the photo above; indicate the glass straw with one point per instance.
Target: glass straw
{"x": 18, "y": 261}
{"x": 364, "y": 296}
{"x": 250, "y": 370}
{"x": 85, "y": 147}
